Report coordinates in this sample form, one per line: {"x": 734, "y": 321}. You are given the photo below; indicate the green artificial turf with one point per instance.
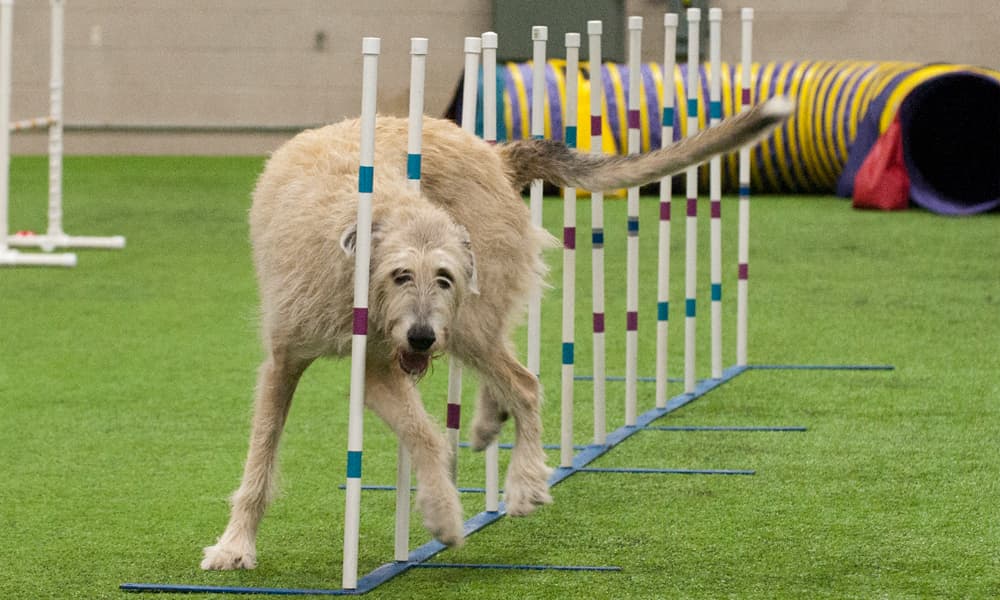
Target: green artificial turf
{"x": 125, "y": 390}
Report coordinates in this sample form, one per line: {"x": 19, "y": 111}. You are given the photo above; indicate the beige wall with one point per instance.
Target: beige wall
{"x": 211, "y": 63}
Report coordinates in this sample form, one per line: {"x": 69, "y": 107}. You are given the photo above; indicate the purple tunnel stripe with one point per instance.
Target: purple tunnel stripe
{"x": 632, "y": 321}
{"x": 633, "y": 119}
{"x": 692, "y": 207}
{"x": 664, "y": 211}
{"x": 360, "y": 321}
{"x": 454, "y": 416}
{"x": 598, "y": 322}
{"x": 716, "y": 209}
{"x": 595, "y": 125}
{"x": 744, "y": 271}
{"x": 569, "y": 238}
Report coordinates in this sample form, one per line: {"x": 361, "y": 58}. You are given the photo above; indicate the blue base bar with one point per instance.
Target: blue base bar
{"x": 721, "y": 428}
{"x": 587, "y": 455}
{"x": 513, "y": 567}
{"x": 641, "y": 471}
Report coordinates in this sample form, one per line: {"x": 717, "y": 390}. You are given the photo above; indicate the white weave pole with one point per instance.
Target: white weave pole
{"x": 414, "y": 144}
{"x": 569, "y": 258}
{"x": 594, "y": 31}
{"x": 55, "y": 237}
{"x": 539, "y": 38}
{"x": 473, "y": 46}
{"x": 743, "y": 242}
{"x": 490, "y": 43}
{"x": 691, "y": 254}
{"x": 370, "y": 48}
{"x": 9, "y": 256}
{"x": 666, "y": 196}
{"x": 632, "y": 240}
{"x": 715, "y": 186}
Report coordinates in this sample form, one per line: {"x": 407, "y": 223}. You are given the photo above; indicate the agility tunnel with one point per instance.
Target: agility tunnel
{"x": 882, "y": 133}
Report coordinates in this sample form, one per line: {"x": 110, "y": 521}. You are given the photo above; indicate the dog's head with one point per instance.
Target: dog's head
{"x": 422, "y": 269}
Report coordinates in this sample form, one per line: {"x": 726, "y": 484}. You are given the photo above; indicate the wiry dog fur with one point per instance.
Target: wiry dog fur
{"x": 452, "y": 266}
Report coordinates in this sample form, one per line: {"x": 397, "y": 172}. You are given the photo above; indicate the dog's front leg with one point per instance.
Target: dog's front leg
{"x": 237, "y": 547}
{"x": 394, "y": 397}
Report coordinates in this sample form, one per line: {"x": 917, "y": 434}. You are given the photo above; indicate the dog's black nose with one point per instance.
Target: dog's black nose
{"x": 420, "y": 337}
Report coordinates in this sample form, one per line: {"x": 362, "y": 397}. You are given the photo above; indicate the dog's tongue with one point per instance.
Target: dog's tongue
{"x": 414, "y": 363}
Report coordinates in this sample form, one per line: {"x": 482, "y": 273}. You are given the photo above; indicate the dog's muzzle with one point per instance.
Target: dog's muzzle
{"x": 416, "y": 360}
{"x": 414, "y": 363}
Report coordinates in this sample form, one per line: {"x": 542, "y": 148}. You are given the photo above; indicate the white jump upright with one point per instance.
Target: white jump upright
{"x": 55, "y": 236}
{"x": 569, "y": 258}
{"x": 715, "y": 187}
{"x": 691, "y": 255}
{"x": 594, "y": 31}
{"x": 539, "y": 40}
{"x": 743, "y": 228}
{"x": 414, "y": 146}
{"x": 370, "y": 48}
{"x": 489, "y": 44}
{"x": 666, "y": 196}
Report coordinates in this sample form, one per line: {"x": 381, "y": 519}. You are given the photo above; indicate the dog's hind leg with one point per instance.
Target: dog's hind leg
{"x": 237, "y": 547}
{"x": 509, "y": 388}
{"x": 394, "y": 397}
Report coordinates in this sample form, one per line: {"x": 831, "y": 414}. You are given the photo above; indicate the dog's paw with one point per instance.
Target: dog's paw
{"x": 443, "y": 517}
{"x": 222, "y": 557}
{"x": 527, "y": 490}
{"x": 485, "y": 431}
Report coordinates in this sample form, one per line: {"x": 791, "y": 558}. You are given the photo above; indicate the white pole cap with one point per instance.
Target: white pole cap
{"x": 715, "y": 14}
{"x": 473, "y": 45}
{"x": 371, "y": 45}
{"x": 670, "y": 19}
{"x": 595, "y": 27}
{"x": 540, "y": 33}
{"x": 572, "y": 40}
{"x": 746, "y": 14}
{"x": 418, "y": 45}
{"x": 490, "y": 40}
{"x": 635, "y": 23}
{"x": 694, "y": 15}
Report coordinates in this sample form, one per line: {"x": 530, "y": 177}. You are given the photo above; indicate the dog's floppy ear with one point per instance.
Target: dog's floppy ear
{"x": 470, "y": 266}
{"x": 349, "y": 239}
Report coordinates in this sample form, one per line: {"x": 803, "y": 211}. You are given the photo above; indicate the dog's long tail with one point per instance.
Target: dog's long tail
{"x": 552, "y": 161}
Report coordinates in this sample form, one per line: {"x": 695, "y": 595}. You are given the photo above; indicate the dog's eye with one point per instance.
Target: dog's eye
{"x": 401, "y": 277}
{"x": 444, "y": 283}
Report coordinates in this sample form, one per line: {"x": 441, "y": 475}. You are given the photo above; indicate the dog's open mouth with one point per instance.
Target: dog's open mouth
{"x": 414, "y": 363}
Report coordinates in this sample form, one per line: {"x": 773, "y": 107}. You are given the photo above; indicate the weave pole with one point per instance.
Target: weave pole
{"x": 539, "y": 38}
{"x": 632, "y": 242}
{"x": 55, "y": 236}
{"x": 691, "y": 257}
{"x": 473, "y": 47}
{"x": 370, "y": 47}
{"x": 715, "y": 187}
{"x": 489, "y": 44}
{"x": 666, "y": 196}
{"x": 418, "y": 64}
{"x": 743, "y": 228}
{"x": 569, "y": 258}
{"x": 594, "y": 31}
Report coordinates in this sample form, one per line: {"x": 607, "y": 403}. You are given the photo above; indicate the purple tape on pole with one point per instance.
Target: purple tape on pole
{"x": 595, "y": 125}
{"x": 692, "y": 207}
{"x": 598, "y": 322}
{"x": 569, "y": 238}
{"x": 360, "y": 321}
{"x": 664, "y": 211}
{"x": 716, "y": 209}
{"x": 633, "y": 119}
{"x": 454, "y": 420}
{"x": 746, "y": 97}
{"x": 632, "y": 320}
{"x": 744, "y": 271}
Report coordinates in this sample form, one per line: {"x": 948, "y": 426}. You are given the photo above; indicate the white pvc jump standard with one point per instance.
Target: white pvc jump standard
{"x": 539, "y": 39}
{"x": 691, "y": 255}
{"x": 666, "y": 196}
{"x": 489, "y": 45}
{"x": 418, "y": 63}
{"x": 569, "y": 258}
{"x": 743, "y": 228}
{"x": 632, "y": 239}
{"x": 54, "y": 237}
{"x": 715, "y": 188}
{"x": 370, "y": 48}
{"x": 594, "y": 31}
